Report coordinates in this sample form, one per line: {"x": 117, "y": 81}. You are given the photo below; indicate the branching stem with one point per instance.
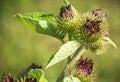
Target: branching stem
{"x": 71, "y": 61}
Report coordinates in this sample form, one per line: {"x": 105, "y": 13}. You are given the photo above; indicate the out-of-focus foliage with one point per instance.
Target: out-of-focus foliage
{"x": 38, "y": 74}
{"x": 20, "y": 47}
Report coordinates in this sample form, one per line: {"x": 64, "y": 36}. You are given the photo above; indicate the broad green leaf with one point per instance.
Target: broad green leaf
{"x": 38, "y": 16}
{"x": 38, "y": 74}
{"x": 71, "y": 79}
{"x": 109, "y": 41}
{"x": 65, "y": 50}
{"x": 40, "y": 22}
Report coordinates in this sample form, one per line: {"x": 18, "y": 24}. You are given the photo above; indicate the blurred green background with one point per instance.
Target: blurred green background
{"x": 19, "y": 47}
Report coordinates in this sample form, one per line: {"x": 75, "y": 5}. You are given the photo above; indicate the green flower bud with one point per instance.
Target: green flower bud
{"x": 67, "y": 19}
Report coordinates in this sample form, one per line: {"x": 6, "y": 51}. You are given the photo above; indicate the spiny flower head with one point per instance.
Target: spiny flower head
{"x": 92, "y": 30}
{"x": 85, "y": 66}
{"x": 91, "y": 27}
{"x": 67, "y": 19}
{"x": 84, "y": 70}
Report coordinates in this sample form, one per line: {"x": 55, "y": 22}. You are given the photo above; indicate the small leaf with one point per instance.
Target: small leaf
{"x": 103, "y": 45}
{"x": 38, "y": 74}
{"x": 71, "y": 79}
{"x": 109, "y": 41}
{"x": 66, "y": 50}
{"x": 40, "y": 22}
{"x": 66, "y": 2}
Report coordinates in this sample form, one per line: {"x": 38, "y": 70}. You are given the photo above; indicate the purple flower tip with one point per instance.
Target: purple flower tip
{"x": 85, "y": 66}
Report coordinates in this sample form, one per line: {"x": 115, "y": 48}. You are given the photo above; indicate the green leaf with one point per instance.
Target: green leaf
{"x": 109, "y": 41}
{"x": 102, "y": 45}
{"x": 38, "y": 74}
{"x": 40, "y": 22}
{"x": 71, "y": 79}
{"x": 65, "y": 50}
{"x": 66, "y": 2}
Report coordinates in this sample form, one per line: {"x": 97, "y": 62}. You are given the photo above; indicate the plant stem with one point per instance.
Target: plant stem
{"x": 72, "y": 62}
{"x": 68, "y": 60}
{"x": 62, "y": 74}
{"x": 69, "y": 39}
{"x": 76, "y": 56}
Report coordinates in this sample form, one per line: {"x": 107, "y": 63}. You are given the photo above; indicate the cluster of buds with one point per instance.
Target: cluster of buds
{"x": 90, "y": 29}
{"x": 23, "y": 77}
{"x": 9, "y": 78}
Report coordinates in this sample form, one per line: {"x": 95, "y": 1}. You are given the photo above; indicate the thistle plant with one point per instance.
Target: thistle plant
{"x": 84, "y": 31}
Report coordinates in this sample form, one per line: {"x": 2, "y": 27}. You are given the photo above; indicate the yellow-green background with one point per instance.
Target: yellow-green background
{"x": 20, "y": 47}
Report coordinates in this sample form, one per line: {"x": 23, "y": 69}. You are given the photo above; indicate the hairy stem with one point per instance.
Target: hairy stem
{"x": 68, "y": 60}
{"x": 62, "y": 74}
{"x": 63, "y": 71}
{"x": 71, "y": 62}
{"x": 76, "y": 57}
